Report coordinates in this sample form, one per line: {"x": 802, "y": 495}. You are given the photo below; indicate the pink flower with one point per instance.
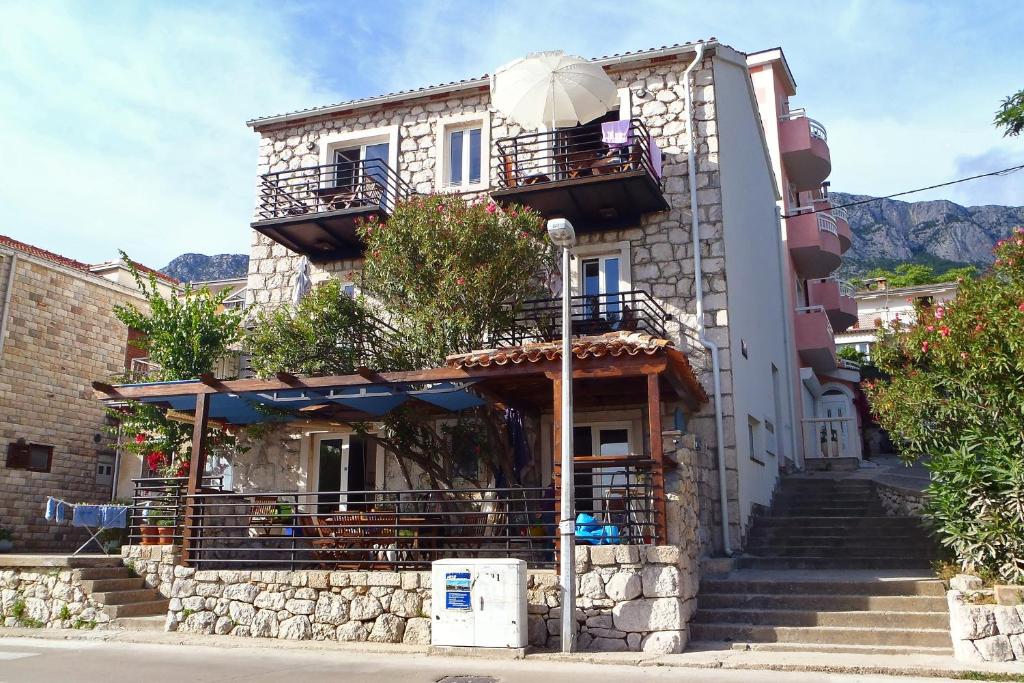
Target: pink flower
{"x": 491, "y": 207}
{"x": 944, "y": 331}
{"x": 924, "y": 347}
{"x": 964, "y": 355}
{"x": 940, "y": 313}
{"x": 461, "y": 281}
{"x": 931, "y": 328}
{"x": 1020, "y": 307}
{"x": 440, "y": 208}
{"x": 140, "y": 438}
{"x": 979, "y": 327}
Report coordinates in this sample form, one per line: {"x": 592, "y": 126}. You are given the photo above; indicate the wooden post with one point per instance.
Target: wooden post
{"x": 658, "y": 456}
{"x": 196, "y": 467}
{"x": 556, "y": 431}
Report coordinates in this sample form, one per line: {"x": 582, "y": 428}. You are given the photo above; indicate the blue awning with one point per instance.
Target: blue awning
{"x": 281, "y": 406}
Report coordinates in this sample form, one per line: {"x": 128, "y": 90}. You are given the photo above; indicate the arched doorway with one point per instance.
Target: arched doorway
{"x": 838, "y": 434}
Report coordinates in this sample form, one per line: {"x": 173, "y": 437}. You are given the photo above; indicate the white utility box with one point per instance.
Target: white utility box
{"x": 478, "y": 603}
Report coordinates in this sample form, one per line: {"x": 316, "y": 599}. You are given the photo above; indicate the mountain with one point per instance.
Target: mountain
{"x": 938, "y": 233}
{"x": 196, "y": 267}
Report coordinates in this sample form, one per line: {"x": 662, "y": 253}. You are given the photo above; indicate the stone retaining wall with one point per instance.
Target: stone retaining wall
{"x": 898, "y": 501}
{"x": 47, "y": 597}
{"x": 983, "y": 632}
{"x": 628, "y": 598}
{"x": 154, "y": 564}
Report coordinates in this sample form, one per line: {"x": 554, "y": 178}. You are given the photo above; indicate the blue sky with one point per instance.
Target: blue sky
{"x": 122, "y": 123}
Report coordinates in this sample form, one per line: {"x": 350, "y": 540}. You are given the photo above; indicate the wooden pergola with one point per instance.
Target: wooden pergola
{"x": 604, "y": 375}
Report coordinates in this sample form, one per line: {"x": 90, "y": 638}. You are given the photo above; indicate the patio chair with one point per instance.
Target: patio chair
{"x": 337, "y": 536}
{"x": 262, "y": 514}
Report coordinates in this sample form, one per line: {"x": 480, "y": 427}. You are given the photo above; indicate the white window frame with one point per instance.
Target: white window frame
{"x": 334, "y": 142}
{"x": 618, "y": 250}
{"x": 445, "y": 127}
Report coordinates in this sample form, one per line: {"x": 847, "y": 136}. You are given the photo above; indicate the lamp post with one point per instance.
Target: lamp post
{"x": 563, "y": 235}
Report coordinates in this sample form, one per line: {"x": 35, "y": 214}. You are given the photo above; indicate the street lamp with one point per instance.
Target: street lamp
{"x": 563, "y": 235}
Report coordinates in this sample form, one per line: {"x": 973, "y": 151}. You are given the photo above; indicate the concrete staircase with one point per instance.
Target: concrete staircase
{"x": 124, "y": 596}
{"x": 827, "y": 571}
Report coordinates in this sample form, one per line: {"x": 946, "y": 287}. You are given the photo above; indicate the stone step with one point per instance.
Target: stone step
{"x": 153, "y": 623}
{"x": 126, "y": 597}
{"x": 93, "y": 573}
{"x": 866, "y": 650}
{"x": 831, "y": 635}
{"x": 854, "y": 619}
{"x": 831, "y": 562}
{"x": 137, "y": 609}
{"x": 107, "y": 585}
{"x": 838, "y": 542}
{"x": 890, "y": 587}
{"x": 863, "y": 551}
{"x": 834, "y": 603}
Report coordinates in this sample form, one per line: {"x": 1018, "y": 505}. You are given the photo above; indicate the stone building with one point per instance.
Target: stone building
{"x": 57, "y": 335}
{"x": 636, "y": 233}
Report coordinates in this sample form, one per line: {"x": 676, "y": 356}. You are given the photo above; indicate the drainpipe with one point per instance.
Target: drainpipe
{"x": 7, "y": 300}
{"x": 698, "y": 285}
{"x": 787, "y": 342}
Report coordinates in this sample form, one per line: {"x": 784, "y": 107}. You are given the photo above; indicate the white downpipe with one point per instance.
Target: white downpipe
{"x": 698, "y": 285}
{"x": 787, "y": 342}
{"x": 5, "y": 312}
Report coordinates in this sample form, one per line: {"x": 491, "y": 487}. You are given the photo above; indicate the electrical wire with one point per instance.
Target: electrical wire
{"x": 1005, "y": 171}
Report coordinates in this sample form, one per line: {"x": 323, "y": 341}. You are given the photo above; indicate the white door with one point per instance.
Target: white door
{"x": 332, "y": 462}
{"x": 606, "y": 483}
{"x": 835, "y": 431}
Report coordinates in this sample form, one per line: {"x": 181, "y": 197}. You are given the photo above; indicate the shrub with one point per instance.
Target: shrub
{"x": 955, "y": 392}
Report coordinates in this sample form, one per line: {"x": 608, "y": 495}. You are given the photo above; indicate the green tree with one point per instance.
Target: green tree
{"x": 445, "y": 274}
{"x": 1010, "y": 116}
{"x": 184, "y": 337}
{"x": 955, "y": 392}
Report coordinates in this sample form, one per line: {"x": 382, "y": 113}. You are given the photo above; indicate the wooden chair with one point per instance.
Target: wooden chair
{"x": 262, "y": 515}
{"x": 337, "y": 536}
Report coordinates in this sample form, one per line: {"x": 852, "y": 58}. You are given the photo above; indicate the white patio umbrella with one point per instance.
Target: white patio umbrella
{"x": 552, "y": 89}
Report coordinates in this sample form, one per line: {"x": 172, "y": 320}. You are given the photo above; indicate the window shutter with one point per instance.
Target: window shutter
{"x": 17, "y": 455}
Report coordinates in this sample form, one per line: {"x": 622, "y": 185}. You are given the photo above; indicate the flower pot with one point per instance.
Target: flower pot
{"x": 6, "y": 546}
{"x": 150, "y": 535}
{"x": 166, "y": 535}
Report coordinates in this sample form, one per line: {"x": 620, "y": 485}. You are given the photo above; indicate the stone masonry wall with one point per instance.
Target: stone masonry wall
{"x": 660, "y": 250}
{"x": 154, "y": 564}
{"x": 61, "y": 336}
{"x": 899, "y": 501}
{"x": 983, "y": 632}
{"x": 50, "y": 597}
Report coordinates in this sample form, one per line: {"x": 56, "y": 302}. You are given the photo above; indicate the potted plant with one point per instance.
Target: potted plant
{"x": 6, "y": 542}
{"x": 165, "y": 531}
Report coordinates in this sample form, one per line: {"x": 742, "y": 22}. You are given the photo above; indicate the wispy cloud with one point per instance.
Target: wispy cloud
{"x": 123, "y": 122}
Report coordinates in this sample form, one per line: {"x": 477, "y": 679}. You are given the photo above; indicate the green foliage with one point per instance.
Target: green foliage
{"x": 184, "y": 337}
{"x": 914, "y": 274}
{"x": 327, "y": 333}
{"x": 19, "y": 610}
{"x": 444, "y": 268}
{"x": 65, "y": 613}
{"x": 852, "y": 354}
{"x": 955, "y": 391}
{"x": 1010, "y": 116}
{"x": 84, "y": 624}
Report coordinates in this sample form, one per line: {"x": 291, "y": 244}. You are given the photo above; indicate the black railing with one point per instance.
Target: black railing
{"x": 540, "y": 320}
{"x": 160, "y": 502}
{"x": 569, "y": 153}
{"x": 365, "y": 184}
{"x": 410, "y": 529}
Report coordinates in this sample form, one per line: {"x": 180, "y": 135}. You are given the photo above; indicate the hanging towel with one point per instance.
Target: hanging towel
{"x": 86, "y": 515}
{"x": 63, "y": 513}
{"x": 114, "y": 516}
{"x": 655, "y": 157}
{"x": 616, "y": 133}
{"x": 51, "y": 509}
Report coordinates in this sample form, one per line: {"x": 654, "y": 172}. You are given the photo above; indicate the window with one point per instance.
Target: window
{"x": 363, "y": 162}
{"x": 599, "y": 283}
{"x": 464, "y": 159}
{"x": 462, "y": 152}
{"x": 356, "y": 167}
{"x": 754, "y": 437}
{"x": 33, "y": 457}
{"x": 105, "y": 469}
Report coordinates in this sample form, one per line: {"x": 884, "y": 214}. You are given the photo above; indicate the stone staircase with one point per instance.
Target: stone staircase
{"x": 827, "y": 571}
{"x": 124, "y": 596}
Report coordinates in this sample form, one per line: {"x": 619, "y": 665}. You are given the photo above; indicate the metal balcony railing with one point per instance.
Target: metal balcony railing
{"x": 817, "y": 129}
{"x": 540, "y": 320}
{"x": 845, "y": 288}
{"x": 368, "y": 184}
{"x": 570, "y": 153}
{"x": 827, "y": 224}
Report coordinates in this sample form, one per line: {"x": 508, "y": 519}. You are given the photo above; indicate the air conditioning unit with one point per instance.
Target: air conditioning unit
{"x": 478, "y": 603}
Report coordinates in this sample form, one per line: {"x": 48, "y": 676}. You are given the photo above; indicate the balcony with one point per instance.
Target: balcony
{"x": 804, "y": 144}
{"x": 836, "y": 297}
{"x": 814, "y": 339}
{"x": 599, "y": 176}
{"x": 842, "y": 219}
{"x": 314, "y": 210}
{"x": 813, "y": 240}
{"x": 540, "y": 320}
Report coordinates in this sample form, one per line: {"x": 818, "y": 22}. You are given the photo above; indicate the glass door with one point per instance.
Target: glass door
{"x": 600, "y": 283}
{"x": 375, "y": 164}
{"x": 332, "y": 453}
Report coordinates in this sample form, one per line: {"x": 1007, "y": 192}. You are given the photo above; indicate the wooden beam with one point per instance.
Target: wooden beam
{"x": 370, "y": 375}
{"x": 196, "y": 467}
{"x": 104, "y": 388}
{"x": 289, "y": 379}
{"x": 658, "y": 456}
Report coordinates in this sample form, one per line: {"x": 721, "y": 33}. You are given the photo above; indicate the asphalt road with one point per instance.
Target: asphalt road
{"x": 25, "y": 660}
